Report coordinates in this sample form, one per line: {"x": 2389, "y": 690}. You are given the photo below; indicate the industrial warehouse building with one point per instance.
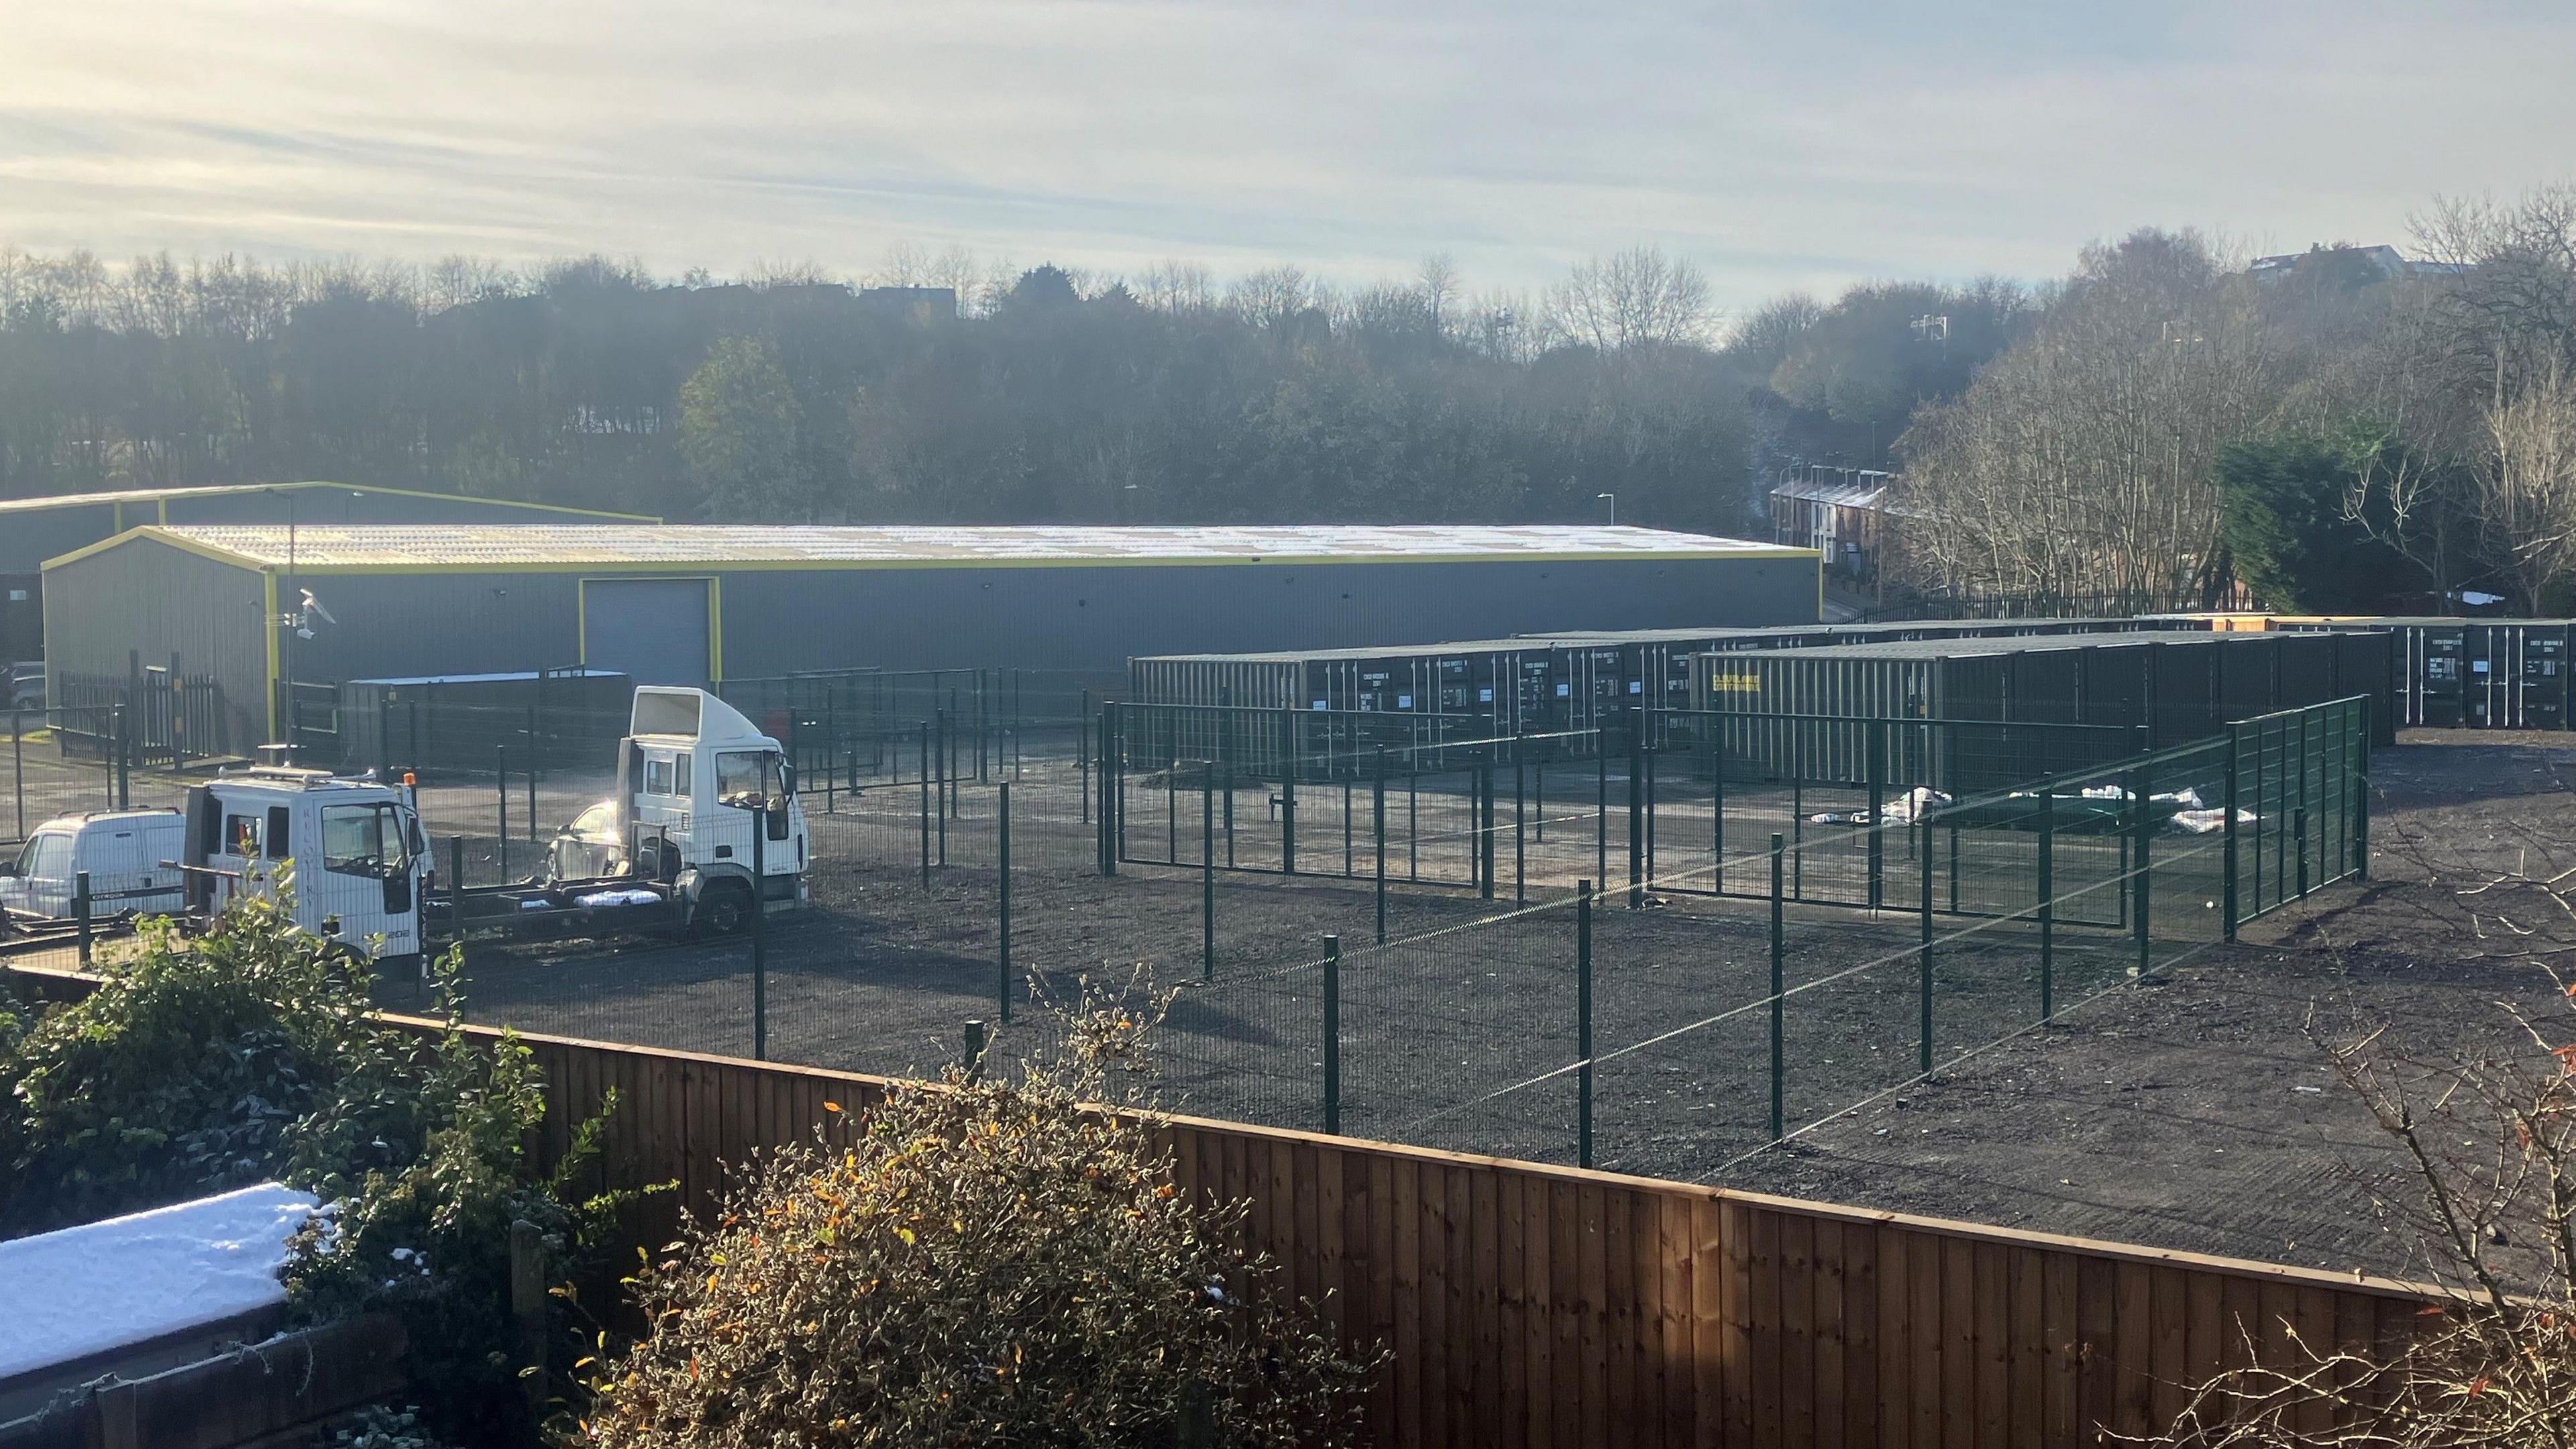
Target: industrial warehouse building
{"x": 677, "y": 604}
{"x": 33, "y": 530}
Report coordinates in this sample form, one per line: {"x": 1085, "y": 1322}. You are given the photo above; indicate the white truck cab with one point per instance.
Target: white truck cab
{"x": 694, "y": 775}
{"x": 361, "y": 863}
{"x": 120, "y": 850}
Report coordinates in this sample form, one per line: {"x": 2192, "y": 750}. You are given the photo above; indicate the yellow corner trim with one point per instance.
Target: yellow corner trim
{"x": 158, "y": 534}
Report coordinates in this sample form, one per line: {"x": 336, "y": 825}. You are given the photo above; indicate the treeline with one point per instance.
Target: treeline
{"x": 1050, "y": 396}
{"x": 2346, "y": 429}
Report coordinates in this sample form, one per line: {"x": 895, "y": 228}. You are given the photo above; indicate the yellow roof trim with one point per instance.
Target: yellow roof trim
{"x": 239, "y": 490}
{"x": 158, "y": 534}
{"x": 703, "y": 567}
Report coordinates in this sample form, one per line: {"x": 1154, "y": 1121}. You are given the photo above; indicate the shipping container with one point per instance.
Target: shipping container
{"x": 2453, "y": 673}
{"x": 546, "y": 719}
{"x": 2166, "y": 688}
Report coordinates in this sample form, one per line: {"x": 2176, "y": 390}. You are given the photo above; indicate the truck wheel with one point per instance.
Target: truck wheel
{"x": 724, "y": 910}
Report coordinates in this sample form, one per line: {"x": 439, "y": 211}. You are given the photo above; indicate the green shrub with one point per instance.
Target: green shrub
{"x": 196, "y": 1067}
{"x": 974, "y": 1263}
{"x": 251, "y": 1052}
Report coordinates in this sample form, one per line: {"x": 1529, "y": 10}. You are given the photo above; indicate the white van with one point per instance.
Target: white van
{"x": 122, "y": 850}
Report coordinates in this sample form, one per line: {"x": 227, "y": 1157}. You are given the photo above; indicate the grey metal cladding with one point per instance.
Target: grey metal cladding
{"x": 31, "y": 536}
{"x": 412, "y": 624}
{"x": 1093, "y": 617}
{"x": 146, "y": 598}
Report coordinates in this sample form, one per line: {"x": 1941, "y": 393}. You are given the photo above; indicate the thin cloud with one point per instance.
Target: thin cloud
{"x": 1779, "y": 146}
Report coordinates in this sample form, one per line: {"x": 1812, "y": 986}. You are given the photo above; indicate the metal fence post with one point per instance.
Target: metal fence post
{"x": 974, "y": 1049}
{"x": 1287, "y": 792}
{"x": 1207, "y": 878}
{"x": 1106, "y": 780}
{"x": 1377, "y": 812}
{"x": 1082, "y": 751}
{"x": 501, "y": 831}
{"x": 2299, "y": 833}
{"x": 80, "y": 912}
{"x": 2361, "y": 790}
{"x": 1716, "y": 806}
{"x": 124, "y": 756}
{"x": 1636, "y": 819}
{"x": 1484, "y": 810}
{"x": 1004, "y": 849}
{"x": 2227, "y": 869}
{"x": 925, "y": 804}
{"x": 1520, "y": 829}
{"x": 760, "y": 932}
{"x": 534, "y": 755}
{"x": 1875, "y": 746}
{"x": 2140, "y": 785}
{"x": 1601, "y": 805}
{"x": 18, "y": 770}
{"x": 1779, "y": 955}
{"x": 947, "y": 790}
{"x": 1924, "y": 963}
{"x": 1333, "y": 1035}
{"x": 456, "y": 886}
{"x": 1649, "y": 759}
{"x": 2047, "y": 900}
{"x": 1583, "y": 1023}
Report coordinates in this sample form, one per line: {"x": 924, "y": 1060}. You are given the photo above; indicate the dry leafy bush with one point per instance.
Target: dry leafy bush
{"x": 976, "y": 1262}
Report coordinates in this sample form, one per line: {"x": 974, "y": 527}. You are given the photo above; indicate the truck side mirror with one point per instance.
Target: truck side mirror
{"x": 787, "y": 774}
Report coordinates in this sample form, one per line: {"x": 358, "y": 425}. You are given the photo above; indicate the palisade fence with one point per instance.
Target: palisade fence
{"x": 1716, "y": 991}
{"x": 1431, "y": 955}
{"x": 1585, "y": 1025}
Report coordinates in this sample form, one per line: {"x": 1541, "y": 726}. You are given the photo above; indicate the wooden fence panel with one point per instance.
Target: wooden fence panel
{"x": 1542, "y": 1306}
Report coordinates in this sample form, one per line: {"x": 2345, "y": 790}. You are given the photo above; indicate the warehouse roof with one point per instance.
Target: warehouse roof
{"x": 457, "y": 548}
{"x": 237, "y": 490}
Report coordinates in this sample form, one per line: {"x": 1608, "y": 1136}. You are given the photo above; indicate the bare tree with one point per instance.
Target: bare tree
{"x": 1439, "y": 284}
{"x": 2526, "y": 483}
{"x": 1270, "y": 296}
{"x": 2485, "y": 1138}
{"x": 2079, "y": 462}
{"x": 1177, "y": 287}
{"x": 905, "y": 265}
{"x": 1638, "y": 297}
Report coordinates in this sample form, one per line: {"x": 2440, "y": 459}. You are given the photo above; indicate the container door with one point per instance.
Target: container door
{"x": 2544, "y": 677}
{"x": 2478, "y": 702}
{"x": 2443, "y": 679}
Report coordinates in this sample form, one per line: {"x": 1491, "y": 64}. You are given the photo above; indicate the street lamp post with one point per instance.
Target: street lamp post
{"x": 1611, "y": 499}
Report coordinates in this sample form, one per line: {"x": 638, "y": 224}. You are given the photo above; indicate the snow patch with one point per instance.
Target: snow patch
{"x": 85, "y": 1290}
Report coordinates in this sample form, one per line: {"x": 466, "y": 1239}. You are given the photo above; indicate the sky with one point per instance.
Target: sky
{"x": 1778, "y": 146}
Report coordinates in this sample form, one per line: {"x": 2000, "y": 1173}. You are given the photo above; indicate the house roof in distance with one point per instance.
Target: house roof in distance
{"x": 485, "y": 548}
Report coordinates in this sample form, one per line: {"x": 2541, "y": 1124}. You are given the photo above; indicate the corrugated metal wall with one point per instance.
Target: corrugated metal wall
{"x": 148, "y": 597}
{"x": 1095, "y": 618}
{"x": 1062, "y": 618}
{"x": 414, "y": 624}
